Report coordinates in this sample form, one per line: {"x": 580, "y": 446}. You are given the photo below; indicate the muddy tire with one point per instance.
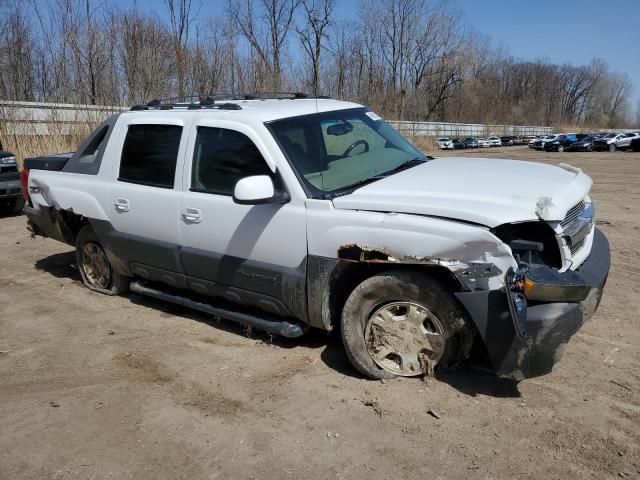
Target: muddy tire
{"x": 405, "y": 299}
{"x": 95, "y": 269}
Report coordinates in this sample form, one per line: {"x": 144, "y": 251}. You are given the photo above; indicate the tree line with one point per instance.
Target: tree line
{"x": 406, "y": 59}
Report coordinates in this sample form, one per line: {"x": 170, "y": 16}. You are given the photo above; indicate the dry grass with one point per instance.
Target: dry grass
{"x": 55, "y": 131}
{"x": 25, "y": 146}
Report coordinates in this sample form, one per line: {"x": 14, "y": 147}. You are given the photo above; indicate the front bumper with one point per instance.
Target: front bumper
{"x": 548, "y": 326}
{"x": 10, "y": 189}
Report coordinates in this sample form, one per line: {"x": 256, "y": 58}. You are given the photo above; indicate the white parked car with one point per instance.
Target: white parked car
{"x": 483, "y": 143}
{"x": 494, "y": 141}
{"x": 614, "y": 141}
{"x": 445, "y": 144}
{"x": 290, "y": 213}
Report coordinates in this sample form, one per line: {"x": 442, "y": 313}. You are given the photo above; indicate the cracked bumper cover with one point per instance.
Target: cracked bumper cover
{"x": 548, "y": 326}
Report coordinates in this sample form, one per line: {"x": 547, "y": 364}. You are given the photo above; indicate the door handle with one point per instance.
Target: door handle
{"x": 191, "y": 215}
{"x": 121, "y": 204}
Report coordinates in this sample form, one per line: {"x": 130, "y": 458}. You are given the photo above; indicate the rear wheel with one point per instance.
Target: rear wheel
{"x": 589, "y": 148}
{"x": 95, "y": 269}
{"x": 404, "y": 323}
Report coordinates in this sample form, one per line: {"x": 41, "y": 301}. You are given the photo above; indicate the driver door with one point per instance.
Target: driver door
{"x": 249, "y": 254}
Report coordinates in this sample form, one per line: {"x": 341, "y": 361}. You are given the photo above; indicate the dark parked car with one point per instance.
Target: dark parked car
{"x": 563, "y": 141}
{"x": 506, "y": 141}
{"x": 11, "y": 200}
{"x": 635, "y": 145}
{"x": 471, "y": 142}
{"x": 583, "y": 145}
{"x": 458, "y": 144}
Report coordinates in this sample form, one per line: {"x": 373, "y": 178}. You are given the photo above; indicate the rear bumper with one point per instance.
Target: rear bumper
{"x": 548, "y": 326}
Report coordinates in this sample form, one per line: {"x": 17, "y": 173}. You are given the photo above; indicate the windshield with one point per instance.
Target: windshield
{"x": 610, "y": 135}
{"x": 549, "y": 137}
{"x": 335, "y": 151}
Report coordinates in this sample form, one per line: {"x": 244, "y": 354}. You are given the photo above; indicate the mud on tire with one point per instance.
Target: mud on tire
{"x": 403, "y": 286}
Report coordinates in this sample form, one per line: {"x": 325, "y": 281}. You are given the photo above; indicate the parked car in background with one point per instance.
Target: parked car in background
{"x": 445, "y": 143}
{"x": 517, "y": 140}
{"x": 494, "y": 141}
{"x": 563, "y": 141}
{"x": 11, "y": 200}
{"x": 483, "y": 143}
{"x": 625, "y": 142}
{"x": 471, "y": 142}
{"x": 458, "y": 144}
{"x": 635, "y": 145}
{"x": 582, "y": 145}
{"x": 506, "y": 141}
{"x": 613, "y": 141}
{"x": 540, "y": 143}
{"x": 529, "y": 138}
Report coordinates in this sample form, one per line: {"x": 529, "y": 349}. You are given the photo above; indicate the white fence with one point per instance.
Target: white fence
{"x": 442, "y": 129}
{"x": 33, "y": 118}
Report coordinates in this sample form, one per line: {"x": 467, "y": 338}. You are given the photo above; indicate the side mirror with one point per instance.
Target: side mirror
{"x": 258, "y": 190}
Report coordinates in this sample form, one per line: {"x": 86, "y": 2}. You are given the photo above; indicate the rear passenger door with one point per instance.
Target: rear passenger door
{"x": 249, "y": 254}
{"x": 144, "y": 196}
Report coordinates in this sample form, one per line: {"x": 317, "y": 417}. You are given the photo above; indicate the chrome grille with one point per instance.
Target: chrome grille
{"x": 576, "y": 247}
{"x": 572, "y": 214}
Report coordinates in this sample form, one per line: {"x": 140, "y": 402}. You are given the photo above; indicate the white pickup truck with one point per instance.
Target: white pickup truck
{"x": 288, "y": 213}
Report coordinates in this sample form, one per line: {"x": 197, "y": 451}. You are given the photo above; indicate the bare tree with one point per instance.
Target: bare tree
{"x": 180, "y": 18}
{"x": 313, "y": 32}
{"x": 266, "y": 31}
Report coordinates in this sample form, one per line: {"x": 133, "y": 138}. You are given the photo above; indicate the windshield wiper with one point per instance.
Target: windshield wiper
{"x": 403, "y": 166}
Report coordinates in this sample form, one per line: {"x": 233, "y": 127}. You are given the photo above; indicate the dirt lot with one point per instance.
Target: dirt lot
{"x": 93, "y": 386}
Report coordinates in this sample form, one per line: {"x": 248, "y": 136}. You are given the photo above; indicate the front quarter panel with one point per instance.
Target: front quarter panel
{"x": 406, "y": 239}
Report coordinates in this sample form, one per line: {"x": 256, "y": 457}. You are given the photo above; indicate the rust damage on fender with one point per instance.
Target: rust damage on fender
{"x": 357, "y": 253}
{"x": 364, "y": 253}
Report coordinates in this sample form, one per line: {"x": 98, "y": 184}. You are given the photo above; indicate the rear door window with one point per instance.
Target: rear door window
{"x": 221, "y": 157}
{"x": 150, "y": 154}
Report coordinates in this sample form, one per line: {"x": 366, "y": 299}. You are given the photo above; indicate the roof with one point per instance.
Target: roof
{"x": 264, "y": 110}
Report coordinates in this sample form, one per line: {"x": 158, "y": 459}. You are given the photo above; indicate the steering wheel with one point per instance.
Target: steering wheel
{"x": 354, "y": 145}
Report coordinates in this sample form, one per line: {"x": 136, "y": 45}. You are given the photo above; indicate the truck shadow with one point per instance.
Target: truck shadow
{"x": 466, "y": 380}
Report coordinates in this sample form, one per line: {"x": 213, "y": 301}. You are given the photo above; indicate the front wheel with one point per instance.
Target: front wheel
{"x": 612, "y": 147}
{"x": 95, "y": 269}
{"x": 560, "y": 148}
{"x": 403, "y": 323}
{"x": 589, "y": 148}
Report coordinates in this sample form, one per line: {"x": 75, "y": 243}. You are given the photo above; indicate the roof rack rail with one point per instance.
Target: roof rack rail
{"x": 216, "y": 101}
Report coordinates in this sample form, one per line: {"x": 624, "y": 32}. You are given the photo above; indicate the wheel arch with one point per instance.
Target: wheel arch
{"x": 332, "y": 281}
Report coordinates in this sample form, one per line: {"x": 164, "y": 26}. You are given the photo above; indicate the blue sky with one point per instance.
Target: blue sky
{"x": 573, "y": 31}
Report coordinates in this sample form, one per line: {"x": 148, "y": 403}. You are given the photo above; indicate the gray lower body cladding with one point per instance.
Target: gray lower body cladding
{"x": 548, "y": 326}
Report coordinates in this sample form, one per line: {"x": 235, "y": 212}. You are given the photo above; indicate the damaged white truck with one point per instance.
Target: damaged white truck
{"x": 295, "y": 212}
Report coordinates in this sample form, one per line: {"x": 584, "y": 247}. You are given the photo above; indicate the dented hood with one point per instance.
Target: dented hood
{"x": 485, "y": 191}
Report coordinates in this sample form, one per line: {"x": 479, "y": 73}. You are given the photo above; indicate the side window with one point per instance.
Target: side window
{"x": 221, "y": 157}
{"x": 149, "y": 155}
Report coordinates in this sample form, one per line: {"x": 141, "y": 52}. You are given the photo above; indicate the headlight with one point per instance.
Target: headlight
{"x": 7, "y": 160}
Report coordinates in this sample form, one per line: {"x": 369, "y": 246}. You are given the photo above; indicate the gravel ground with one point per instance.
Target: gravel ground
{"x": 93, "y": 386}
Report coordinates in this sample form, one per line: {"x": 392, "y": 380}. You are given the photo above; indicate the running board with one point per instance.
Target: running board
{"x": 277, "y": 327}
